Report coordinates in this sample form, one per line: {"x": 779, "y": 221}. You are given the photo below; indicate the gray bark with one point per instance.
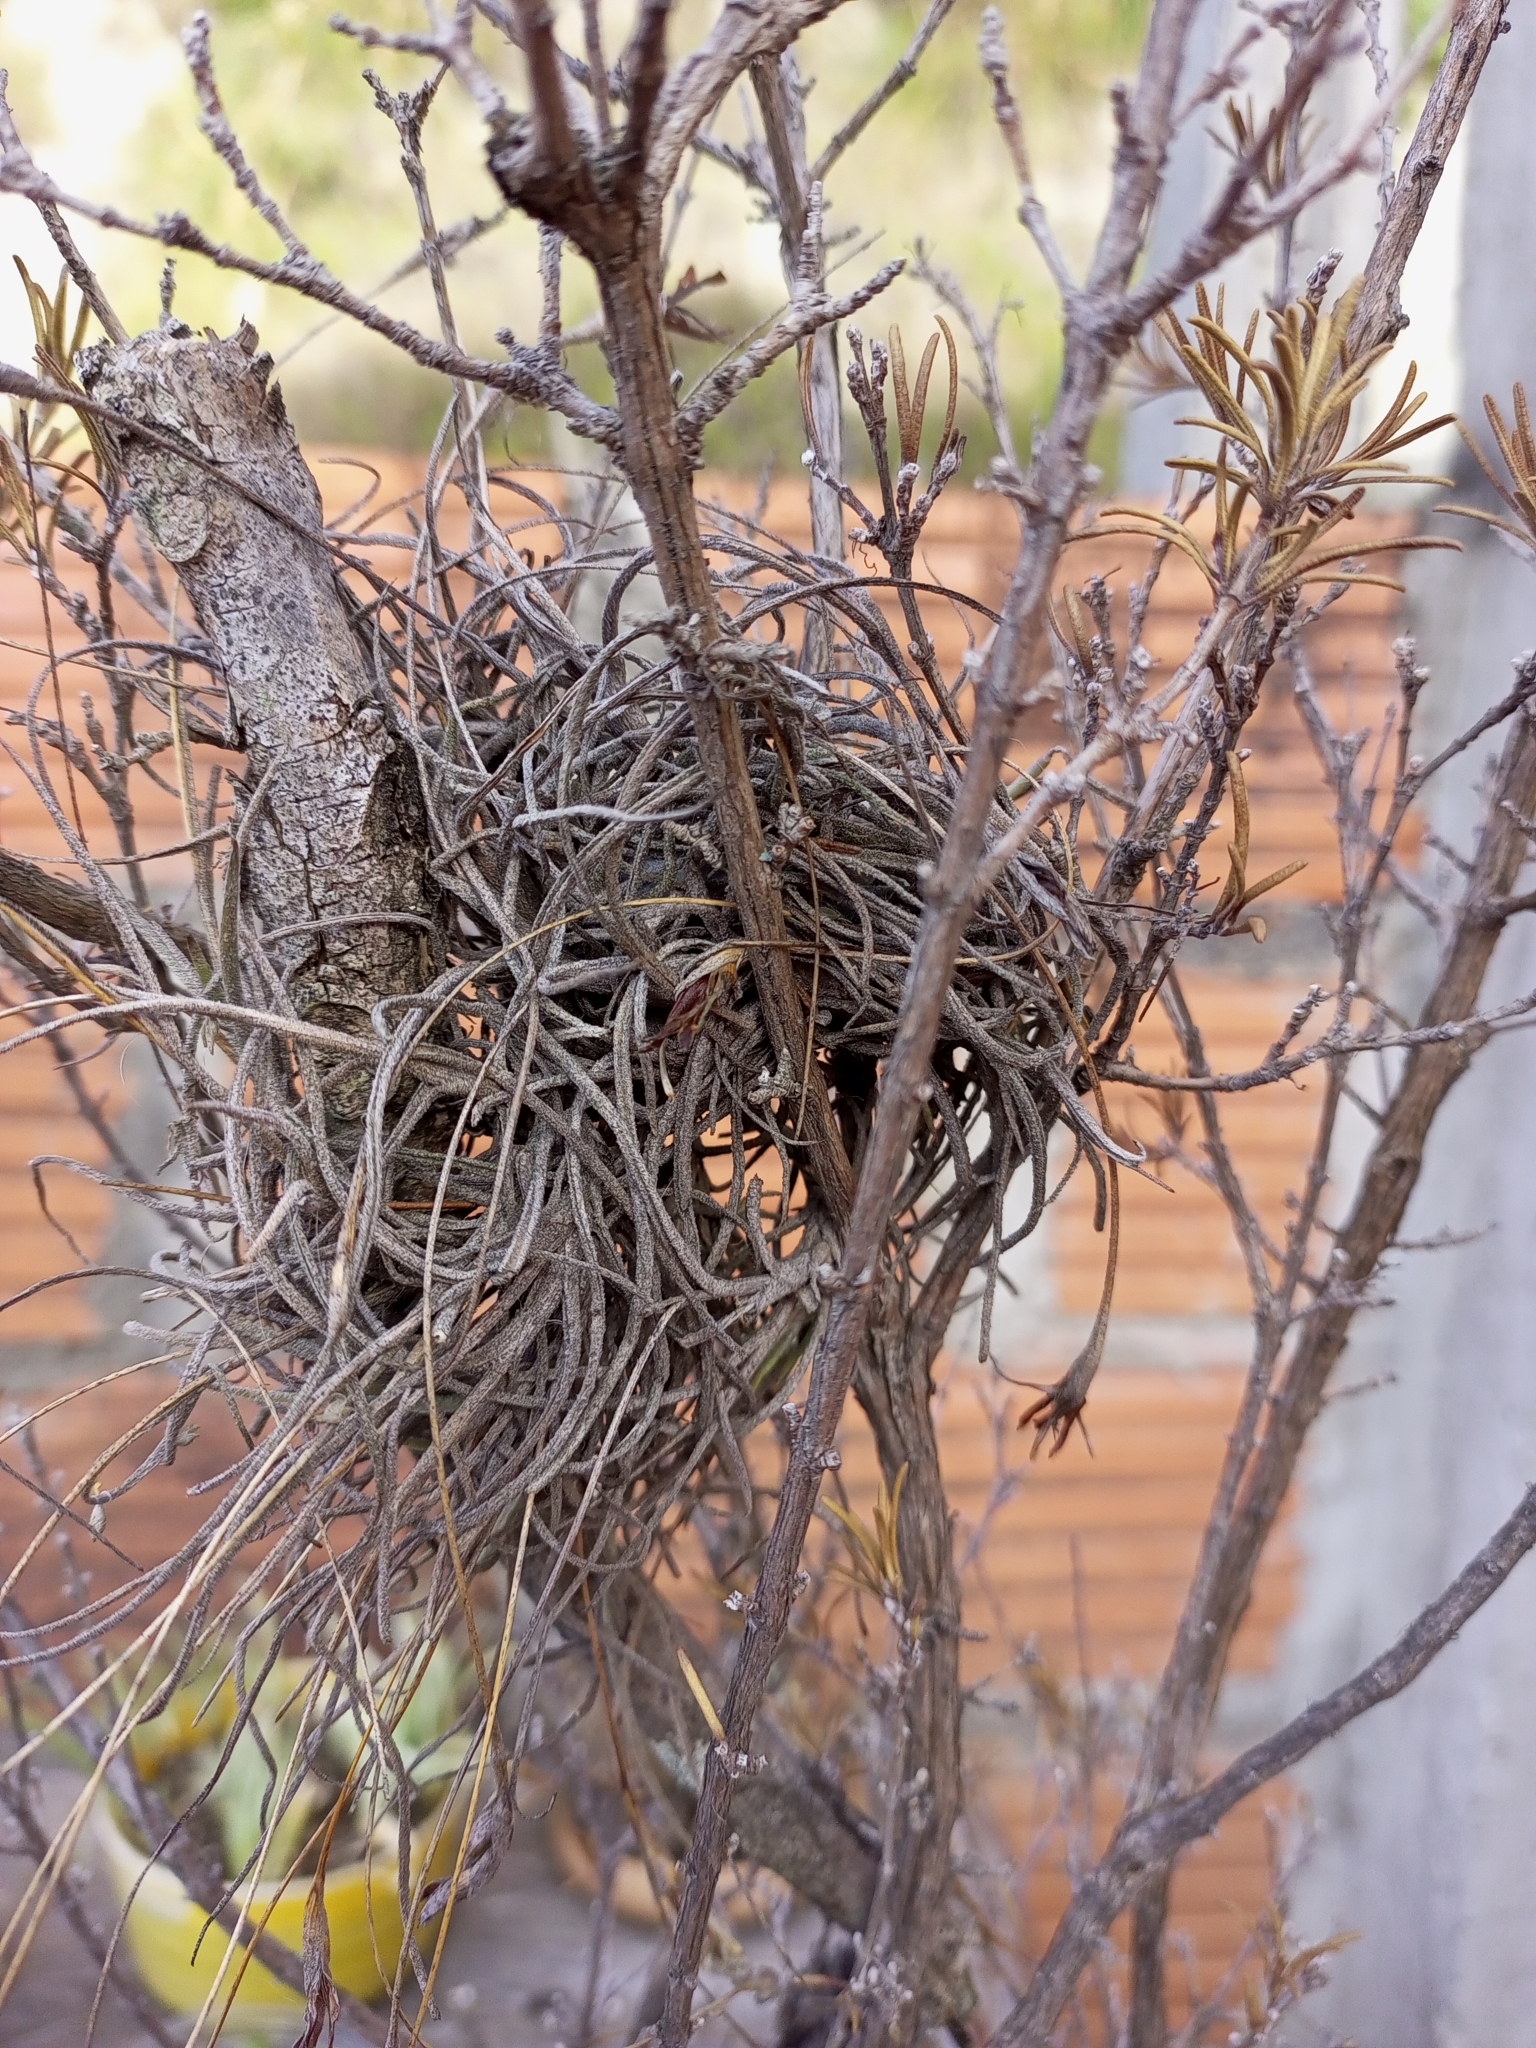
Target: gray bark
{"x": 332, "y": 864}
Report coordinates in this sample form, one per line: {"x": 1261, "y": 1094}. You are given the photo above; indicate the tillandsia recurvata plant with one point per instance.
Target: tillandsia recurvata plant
{"x": 622, "y": 977}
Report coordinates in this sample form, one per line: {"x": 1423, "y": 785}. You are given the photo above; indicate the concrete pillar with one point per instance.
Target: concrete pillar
{"x": 1426, "y": 1811}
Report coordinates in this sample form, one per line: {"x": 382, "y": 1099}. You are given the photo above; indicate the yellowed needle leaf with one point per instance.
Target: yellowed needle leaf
{"x": 706, "y": 1704}
{"x": 1269, "y": 882}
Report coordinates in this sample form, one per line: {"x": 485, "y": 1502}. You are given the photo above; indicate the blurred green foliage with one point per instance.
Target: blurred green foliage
{"x": 929, "y": 170}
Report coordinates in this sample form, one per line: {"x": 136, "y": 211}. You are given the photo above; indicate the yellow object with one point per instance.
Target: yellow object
{"x": 178, "y": 1952}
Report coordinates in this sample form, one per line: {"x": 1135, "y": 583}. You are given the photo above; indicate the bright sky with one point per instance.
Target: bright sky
{"x": 82, "y": 73}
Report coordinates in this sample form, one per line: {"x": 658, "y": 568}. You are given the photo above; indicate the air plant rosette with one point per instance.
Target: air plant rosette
{"x": 536, "y": 1225}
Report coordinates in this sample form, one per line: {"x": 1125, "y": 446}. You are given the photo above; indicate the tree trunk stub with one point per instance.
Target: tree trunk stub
{"x": 332, "y": 865}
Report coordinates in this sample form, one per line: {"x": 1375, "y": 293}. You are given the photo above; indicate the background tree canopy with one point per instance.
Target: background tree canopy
{"x": 930, "y": 163}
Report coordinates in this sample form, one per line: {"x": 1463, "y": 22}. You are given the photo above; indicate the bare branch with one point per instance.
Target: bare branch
{"x": 1145, "y": 1843}
{"x": 780, "y": 99}
{"x": 1235, "y": 217}
{"x": 1005, "y": 110}
{"x": 214, "y": 122}
{"x": 646, "y": 70}
{"x": 527, "y": 377}
{"x": 1342, "y": 1043}
{"x": 597, "y": 69}
{"x": 810, "y": 311}
{"x": 698, "y": 85}
{"x": 53, "y": 900}
{"x": 902, "y": 73}
{"x": 1381, "y": 72}
{"x": 1476, "y": 26}
{"x": 554, "y": 138}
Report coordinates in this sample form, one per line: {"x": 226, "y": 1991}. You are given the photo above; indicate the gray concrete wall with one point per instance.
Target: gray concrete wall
{"x": 1426, "y": 1811}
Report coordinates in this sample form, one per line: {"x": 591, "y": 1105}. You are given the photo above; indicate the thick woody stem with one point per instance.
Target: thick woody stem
{"x": 1147, "y": 2023}
{"x": 1094, "y": 346}
{"x": 333, "y": 868}
{"x": 910, "y": 1961}
{"x": 660, "y": 478}
{"x": 910, "y": 1929}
